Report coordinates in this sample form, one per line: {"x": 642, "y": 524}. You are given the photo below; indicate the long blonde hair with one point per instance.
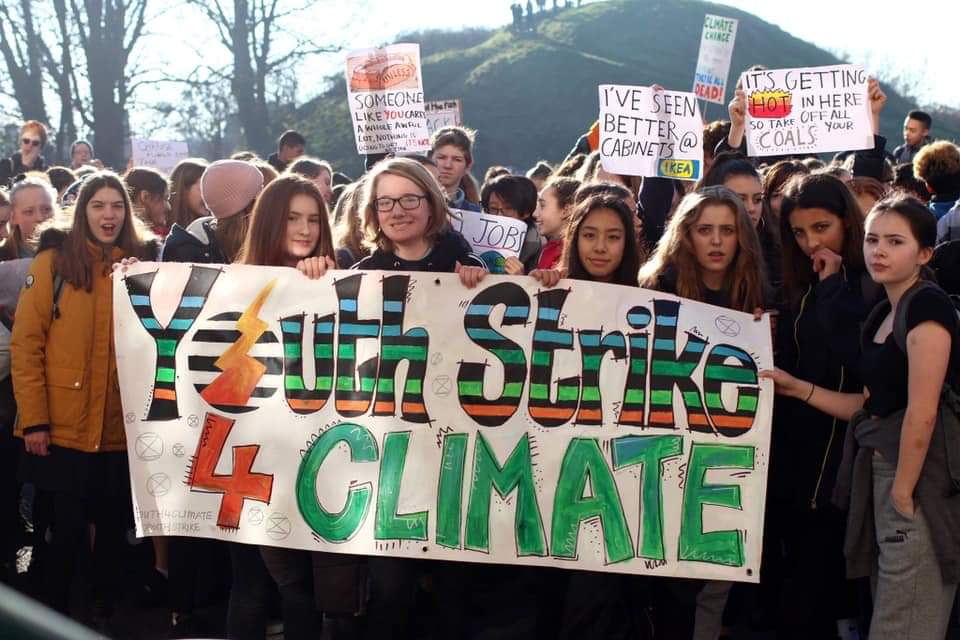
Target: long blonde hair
{"x": 745, "y": 280}
{"x": 348, "y": 232}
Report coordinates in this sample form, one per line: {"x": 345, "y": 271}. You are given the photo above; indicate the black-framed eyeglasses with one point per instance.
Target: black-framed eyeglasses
{"x": 30, "y": 141}
{"x": 408, "y": 202}
{"x": 509, "y": 212}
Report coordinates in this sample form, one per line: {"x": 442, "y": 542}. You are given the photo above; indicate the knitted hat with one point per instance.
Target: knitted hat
{"x": 228, "y": 186}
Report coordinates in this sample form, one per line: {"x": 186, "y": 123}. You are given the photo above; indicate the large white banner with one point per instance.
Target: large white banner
{"x": 385, "y": 95}
{"x": 587, "y": 426}
{"x": 808, "y": 110}
{"x": 650, "y": 132}
{"x": 713, "y": 62}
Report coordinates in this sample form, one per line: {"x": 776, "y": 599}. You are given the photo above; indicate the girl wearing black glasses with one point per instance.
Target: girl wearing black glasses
{"x": 406, "y": 224}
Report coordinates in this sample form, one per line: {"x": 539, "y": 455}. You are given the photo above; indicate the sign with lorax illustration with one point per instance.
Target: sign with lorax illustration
{"x": 385, "y": 94}
{"x": 588, "y": 426}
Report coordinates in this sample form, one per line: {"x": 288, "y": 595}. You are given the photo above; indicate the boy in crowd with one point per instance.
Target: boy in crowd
{"x": 452, "y": 149}
{"x": 290, "y": 146}
{"x": 916, "y": 134}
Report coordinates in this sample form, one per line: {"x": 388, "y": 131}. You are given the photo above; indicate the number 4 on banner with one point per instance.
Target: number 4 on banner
{"x": 237, "y": 486}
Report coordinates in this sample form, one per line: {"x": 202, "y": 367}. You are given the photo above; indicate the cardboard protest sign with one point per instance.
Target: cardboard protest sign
{"x": 650, "y": 133}
{"x": 162, "y": 156}
{"x": 493, "y": 238}
{"x": 587, "y": 426}
{"x": 808, "y": 110}
{"x": 443, "y": 113}
{"x": 713, "y": 63}
{"x": 385, "y": 93}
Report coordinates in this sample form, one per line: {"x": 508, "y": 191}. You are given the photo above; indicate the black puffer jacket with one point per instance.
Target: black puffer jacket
{"x": 818, "y": 341}
{"x": 449, "y": 249}
{"x": 196, "y": 243}
{"x": 13, "y": 166}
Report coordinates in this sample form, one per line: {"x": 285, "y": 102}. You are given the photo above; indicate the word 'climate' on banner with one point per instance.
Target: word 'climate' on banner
{"x": 159, "y": 154}
{"x": 493, "y": 238}
{"x": 443, "y": 113}
{"x": 648, "y": 132}
{"x": 588, "y": 426}
{"x": 713, "y": 63}
{"x": 385, "y": 94}
{"x": 808, "y": 110}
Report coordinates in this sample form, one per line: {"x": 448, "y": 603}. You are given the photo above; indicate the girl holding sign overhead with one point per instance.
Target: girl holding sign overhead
{"x": 828, "y": 295}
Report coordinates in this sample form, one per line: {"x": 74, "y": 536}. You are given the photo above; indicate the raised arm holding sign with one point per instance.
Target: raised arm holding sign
{"x": 385, "y": 95}
{"x": 713, "y": 62}
{"x": 647, "y": 131}
{"x": 807, "y": 110}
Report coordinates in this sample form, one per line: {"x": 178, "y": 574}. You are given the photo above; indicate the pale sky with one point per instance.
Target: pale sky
{"x": 919, "y": 44}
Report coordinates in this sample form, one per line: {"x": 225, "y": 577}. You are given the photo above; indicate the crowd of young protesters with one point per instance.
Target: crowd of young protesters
{"x": 862, "y": 529}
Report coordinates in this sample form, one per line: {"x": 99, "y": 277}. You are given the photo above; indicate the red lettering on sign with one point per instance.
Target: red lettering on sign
{"x": 240, "y": 484}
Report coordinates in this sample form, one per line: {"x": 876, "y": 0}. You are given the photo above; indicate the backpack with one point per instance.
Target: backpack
{"x": 949, "y": 409}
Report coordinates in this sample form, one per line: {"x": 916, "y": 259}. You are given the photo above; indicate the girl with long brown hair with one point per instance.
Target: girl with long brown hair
{"x": 65, "y": 380}
{"x": 828, "y": 295}
{"x": 710, "y": 253}
{"x": 186, "y": 204}
{"x": 289, "y": 227}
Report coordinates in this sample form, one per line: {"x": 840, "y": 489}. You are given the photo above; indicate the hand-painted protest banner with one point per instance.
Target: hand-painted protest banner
{"x": 493, "y": 238}
{"x": 443, "y": 113}
{"x": 162, "y": 156}
{"x": 647, "y": 132}
{"x": 587, "y": 426}
{"x": 385, "y": 93}
{"x": 713, "y": 63}
{"x": 808, "y": 110}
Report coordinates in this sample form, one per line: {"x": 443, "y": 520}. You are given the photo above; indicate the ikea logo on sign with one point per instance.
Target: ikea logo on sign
{"x": 682, "y": 169}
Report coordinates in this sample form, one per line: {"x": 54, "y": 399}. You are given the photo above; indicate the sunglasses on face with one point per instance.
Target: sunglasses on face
{"x": 35, "y": 143}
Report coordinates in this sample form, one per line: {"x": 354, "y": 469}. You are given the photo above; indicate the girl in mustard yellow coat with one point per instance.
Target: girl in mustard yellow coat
{"x": 65, "y": 381}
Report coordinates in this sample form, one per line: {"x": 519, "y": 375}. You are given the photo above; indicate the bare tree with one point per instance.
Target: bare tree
{"x": 107, "y": 31}
{"x": 21, "y": 47}
{"x": 254, "y": 33}
{"x": 201, "y": 116}
{"x": 61, "y": 71}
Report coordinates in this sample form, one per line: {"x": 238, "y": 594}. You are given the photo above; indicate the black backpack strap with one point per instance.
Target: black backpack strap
{"x": 57, "y": 290}
{"x": 900, "y": 319}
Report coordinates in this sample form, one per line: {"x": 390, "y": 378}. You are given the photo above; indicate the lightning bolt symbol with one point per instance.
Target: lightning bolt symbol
{"x": 241, "y": 373}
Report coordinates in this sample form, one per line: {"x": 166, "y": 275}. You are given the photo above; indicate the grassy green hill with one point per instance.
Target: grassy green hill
{"x": 531, "y": 95}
